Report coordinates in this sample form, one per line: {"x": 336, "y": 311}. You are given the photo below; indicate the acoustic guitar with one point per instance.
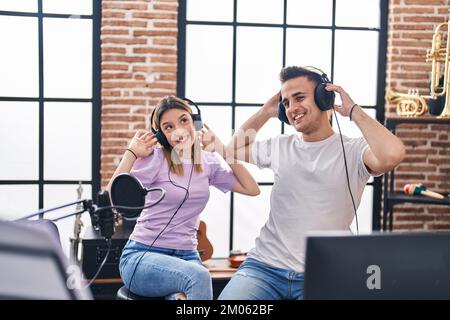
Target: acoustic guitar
{"x": 204, "y": 246}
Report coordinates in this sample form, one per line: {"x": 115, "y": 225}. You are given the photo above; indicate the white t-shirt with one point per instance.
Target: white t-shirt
{"x": 310, "y": 193}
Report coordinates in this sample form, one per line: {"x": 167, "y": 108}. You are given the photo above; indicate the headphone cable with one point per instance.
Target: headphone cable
{"x": 165, "y": 227}
{"x": 346, "y": 172}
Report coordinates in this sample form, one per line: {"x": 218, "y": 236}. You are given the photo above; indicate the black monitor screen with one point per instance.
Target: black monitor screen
{"x": 378, "y": 266}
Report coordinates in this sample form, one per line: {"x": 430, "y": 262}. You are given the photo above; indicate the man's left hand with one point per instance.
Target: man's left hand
{"x": 347, "y": 101}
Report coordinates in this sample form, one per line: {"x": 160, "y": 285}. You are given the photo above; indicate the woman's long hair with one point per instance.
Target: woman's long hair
{"x": 173, "y": 161}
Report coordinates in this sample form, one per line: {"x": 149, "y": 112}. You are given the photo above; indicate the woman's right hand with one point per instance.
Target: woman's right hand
{"x": 142, "y": 143}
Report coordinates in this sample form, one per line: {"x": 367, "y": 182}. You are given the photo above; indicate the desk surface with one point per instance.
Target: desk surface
{"x": 219, "y": 268}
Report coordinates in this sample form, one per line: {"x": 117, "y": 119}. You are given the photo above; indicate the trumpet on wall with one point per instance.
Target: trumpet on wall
{"x": 414, "y": 104}
{"x": 410, "y": 104}
{"x": 439, "y": 56}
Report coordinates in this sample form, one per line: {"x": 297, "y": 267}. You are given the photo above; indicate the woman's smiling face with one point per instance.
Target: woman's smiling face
{"x": 178, "y": 127}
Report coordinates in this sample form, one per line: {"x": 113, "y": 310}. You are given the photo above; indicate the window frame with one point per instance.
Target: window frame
{"x": 95, "y": 100}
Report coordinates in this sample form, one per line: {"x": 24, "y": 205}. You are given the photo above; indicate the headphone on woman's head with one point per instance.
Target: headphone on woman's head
{"x": 323, "y": 98}
{"x": 197, "y": 118}
{"x": 161, "y": 137}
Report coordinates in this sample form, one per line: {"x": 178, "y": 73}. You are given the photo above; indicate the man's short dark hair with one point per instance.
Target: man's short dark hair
{"x": 292, "y": 72}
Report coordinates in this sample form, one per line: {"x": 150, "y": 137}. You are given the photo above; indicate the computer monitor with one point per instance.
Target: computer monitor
{"x": 33, "y": 266}
{"x": 378, "y": 266}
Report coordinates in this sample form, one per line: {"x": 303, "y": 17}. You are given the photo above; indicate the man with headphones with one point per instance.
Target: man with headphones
{"x": 320, "y": 176}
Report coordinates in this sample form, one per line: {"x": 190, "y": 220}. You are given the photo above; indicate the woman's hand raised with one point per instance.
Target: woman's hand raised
{"x": 142, "y": 143}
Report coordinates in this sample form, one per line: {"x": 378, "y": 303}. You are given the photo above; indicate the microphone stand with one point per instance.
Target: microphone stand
{"x": 87, "y": 205}
{"x": 103, "y": 215}
{"x": 77, "y": 225}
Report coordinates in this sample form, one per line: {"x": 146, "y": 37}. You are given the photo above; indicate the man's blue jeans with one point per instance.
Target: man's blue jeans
{"x": 255, "y": 280}
{"x": 160, "y": 272}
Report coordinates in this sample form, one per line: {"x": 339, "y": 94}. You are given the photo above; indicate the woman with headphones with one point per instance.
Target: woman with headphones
{"x": 160, "y": 258}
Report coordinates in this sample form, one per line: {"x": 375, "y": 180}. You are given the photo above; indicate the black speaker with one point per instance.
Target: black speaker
{"x": 94, "y": 248}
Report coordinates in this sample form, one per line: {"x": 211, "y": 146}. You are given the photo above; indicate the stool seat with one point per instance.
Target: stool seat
{"x": 124, "y": 294}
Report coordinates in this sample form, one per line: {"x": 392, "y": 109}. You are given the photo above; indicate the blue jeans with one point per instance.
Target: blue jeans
{"x": 255, "y": 280}
{"x": 160, "y": 272}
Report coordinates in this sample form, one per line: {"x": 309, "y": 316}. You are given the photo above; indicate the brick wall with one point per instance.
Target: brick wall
{"x": 139, "y": 55}
{"x": 411, "y": 27}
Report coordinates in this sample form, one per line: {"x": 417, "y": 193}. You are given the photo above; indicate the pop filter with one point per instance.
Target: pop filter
{"x": 127, "y": 191}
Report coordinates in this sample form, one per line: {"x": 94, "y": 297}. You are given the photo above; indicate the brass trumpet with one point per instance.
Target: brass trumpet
{"x": 410, "y": 105}
{"x": 413, "y": 104}
{"x": 439, "y": 55}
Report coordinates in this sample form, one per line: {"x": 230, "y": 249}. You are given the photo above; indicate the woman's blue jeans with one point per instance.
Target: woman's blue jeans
{"x": 160, "y": 272}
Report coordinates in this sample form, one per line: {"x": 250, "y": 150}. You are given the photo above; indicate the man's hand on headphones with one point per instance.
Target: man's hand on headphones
{"x": 347, "y": 101}
{"x": 142, "y": 143}
{"x": 271, "y": 105}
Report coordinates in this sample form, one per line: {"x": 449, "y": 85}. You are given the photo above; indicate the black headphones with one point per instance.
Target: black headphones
{"x": 161, "y": 137}
{"x": 323, "y": 98}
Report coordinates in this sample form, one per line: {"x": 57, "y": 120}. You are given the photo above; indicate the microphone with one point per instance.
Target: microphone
{"x": 106, "y": 215}
{"x": 128, "y": 196}
{"x": 419, "y": 189}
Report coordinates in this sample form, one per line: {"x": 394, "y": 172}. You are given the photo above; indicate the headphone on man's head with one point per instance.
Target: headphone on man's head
{"x": 323, "y": 98}
{"x": 161, "y": 137}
